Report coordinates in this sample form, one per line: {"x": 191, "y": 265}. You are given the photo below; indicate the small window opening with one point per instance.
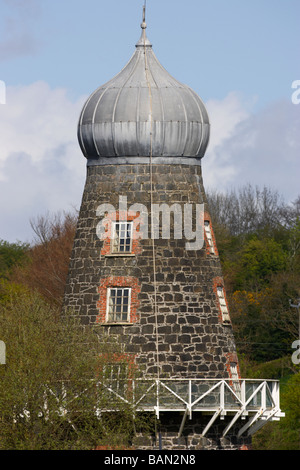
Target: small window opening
{"x": 223, "y": 305}
{"x": 118, "y": 305}
{"x": 234, "y": 371}
{"x": 116, "y": 376}
{"x": 235, "y": 378}
{"x": 122, "y": 237}
{"x": 209, "y": 237}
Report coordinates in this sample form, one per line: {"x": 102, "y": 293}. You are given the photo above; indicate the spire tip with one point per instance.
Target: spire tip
{"x": 144, "y": 24}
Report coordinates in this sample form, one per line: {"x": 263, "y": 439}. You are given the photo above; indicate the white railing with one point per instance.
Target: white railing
{"x": 249, "y": 404}
{"x": 257, "y": 400}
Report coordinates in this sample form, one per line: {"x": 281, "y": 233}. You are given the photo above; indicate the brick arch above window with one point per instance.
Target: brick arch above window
{"x": 121, "y": 282}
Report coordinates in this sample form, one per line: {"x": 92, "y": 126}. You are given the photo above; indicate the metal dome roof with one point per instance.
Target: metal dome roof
{"x": 143, "y": 111}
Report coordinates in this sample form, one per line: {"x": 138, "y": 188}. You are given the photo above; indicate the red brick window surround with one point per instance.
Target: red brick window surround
{"x": 118, "y": 304}
{"x": 117, "y": 371}
{"x": 117, "y": 365}
{"x": 219, "y": 290}
{"x": 120, "y": 234}
{"x": 211, "y": 246}
{"x": 121, "y": 287}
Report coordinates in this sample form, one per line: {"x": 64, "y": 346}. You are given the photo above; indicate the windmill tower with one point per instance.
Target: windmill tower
{"x": 145, "y": 263}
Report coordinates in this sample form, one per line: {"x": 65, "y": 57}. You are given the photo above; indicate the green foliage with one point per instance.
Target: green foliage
{"x": 259, "y": 260}
{"x": 49, "y": 397}
{"x": 293, "y": 246}
{"x": 278, "y": 369}
{"x": 258, "y": 239}
{"x": 285, "y": 434}
{"x": 258, "y": 319}
{"x": 11, "y": 254}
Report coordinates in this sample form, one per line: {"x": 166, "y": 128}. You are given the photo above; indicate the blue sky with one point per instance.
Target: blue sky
{"x": 218, "y": 46}
{"x": 240, "y": 56}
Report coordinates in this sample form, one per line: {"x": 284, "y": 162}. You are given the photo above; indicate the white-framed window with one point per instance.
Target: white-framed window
{"x": 121, "y": 237}
{"x": 235, "y": 378}
{"x": 208, "y": 233}
{"x": 223, "y": 305}
{"x": 116, "y": 376}
{"x": 234, "y": 371}
{"x": 118, "y": 304}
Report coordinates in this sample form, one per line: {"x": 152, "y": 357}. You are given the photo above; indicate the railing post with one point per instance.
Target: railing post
{"x": 264, "y": 396}
{"x": 222, "y": 395}
{"x": 275, "y": 393}
{"x": 243, "y": 392}
{"x": 190, "y": 399}
{"x": 157, "y": 398}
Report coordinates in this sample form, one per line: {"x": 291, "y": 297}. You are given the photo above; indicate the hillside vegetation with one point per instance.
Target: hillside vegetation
{"x": 258, "y": 238}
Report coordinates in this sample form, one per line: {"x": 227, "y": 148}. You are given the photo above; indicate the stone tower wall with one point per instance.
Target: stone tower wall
{"x": 187, "y": 331}
{"x": 191, "y": 438}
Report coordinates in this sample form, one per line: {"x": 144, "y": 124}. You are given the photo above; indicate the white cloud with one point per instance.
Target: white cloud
{"x": 36, "y": 120}
{"x": 225, "y": 118}
{"x": 41, "y": 166}
{"x": 261, "y": 148}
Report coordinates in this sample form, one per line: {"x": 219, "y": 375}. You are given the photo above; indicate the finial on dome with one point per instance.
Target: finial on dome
{"x": 144, "y": 41}
{"x": 144, "y": 24}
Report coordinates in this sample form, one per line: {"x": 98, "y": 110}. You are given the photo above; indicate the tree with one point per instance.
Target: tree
{"x": 259, "y": 259}
{"x": 293, "y": 246}
{"x": 49, "y": 256}
{"x": 248, "y": 210}
{"x": 48, "y": 393}
{"x": 11, "y": 254}
{"x": 255, "y": 317}
{"x": 283, "y": 435}
{"x": 258, "y": 240}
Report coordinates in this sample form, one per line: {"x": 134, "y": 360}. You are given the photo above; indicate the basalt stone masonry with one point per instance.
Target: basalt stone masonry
{"x": 191, "y": 438}
{"x": 193, "y": 339}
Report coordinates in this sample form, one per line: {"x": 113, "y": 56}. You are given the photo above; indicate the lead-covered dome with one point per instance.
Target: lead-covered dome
{"x": 143, "y": 111}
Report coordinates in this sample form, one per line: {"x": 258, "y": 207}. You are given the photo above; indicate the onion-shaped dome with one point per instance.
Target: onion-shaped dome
{"x": 143, "y": 111}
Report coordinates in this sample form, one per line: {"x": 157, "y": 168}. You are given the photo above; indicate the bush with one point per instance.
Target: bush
{"x": 48, "y": 393}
